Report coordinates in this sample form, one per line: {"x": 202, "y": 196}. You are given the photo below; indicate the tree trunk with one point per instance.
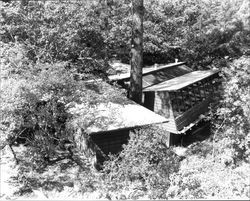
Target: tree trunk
{"x": 107, "y": 10}
{"x": 136, "y": 52}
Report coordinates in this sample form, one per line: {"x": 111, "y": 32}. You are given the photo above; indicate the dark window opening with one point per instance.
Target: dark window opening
{"x": 112, "y": 141}
{"x": 149, "y": 100}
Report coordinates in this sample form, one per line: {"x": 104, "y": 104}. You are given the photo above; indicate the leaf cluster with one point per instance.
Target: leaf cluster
{"x": 145, "y": 163}
{"x": 234, "y": 110}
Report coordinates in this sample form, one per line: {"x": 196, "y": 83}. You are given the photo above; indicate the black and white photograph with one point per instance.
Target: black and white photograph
{"x": 124, "y": 100}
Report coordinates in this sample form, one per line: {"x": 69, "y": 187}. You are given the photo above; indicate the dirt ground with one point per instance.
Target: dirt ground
{"x": 62, "y": 178}
{"x": 8, "y": 168}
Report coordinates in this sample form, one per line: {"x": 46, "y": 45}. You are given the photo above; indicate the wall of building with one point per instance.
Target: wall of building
{"x": 162, "y": 106}
{"x": 199, "y": 132}
{"x": 111, "y": 141}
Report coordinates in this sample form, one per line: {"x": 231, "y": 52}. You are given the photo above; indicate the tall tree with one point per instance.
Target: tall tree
{"x": 136, "y": 51}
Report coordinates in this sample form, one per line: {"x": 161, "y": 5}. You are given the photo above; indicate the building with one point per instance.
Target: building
{"x": 118, "y": 120}
{"x": 109, "y": 122}
{"x": 177, "y": 93}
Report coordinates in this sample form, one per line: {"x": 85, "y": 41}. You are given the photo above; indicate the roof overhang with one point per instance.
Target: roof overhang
{"x": 183, "y": 81}
{"x": 115, "y": 116}
{"x": 190, "y": 126}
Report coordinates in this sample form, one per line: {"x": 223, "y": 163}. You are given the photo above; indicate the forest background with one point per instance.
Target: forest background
{"x": 49, "y": 48}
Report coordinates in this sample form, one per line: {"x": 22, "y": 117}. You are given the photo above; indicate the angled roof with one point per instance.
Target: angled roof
{"x": 145, "y": 71}
{"x": 156, "y": 74}
{"x": 182, "y": 81}
{"x": 116, "y": 116}
{"x": 164, "y": 74}
{"x": 104, "y": 114}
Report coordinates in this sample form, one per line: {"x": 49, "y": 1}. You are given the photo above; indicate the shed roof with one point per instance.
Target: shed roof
{"x": 164, "y": 74}
{"x": 145, "y": 71}
{"x": 182, "y": 81}
{"x": 115, "y": 116}
{"x": 109, "y": 111}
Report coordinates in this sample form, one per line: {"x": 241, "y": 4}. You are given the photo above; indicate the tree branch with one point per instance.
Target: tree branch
{"x": 10, "y": 141}
{"x": 216, "y": 134}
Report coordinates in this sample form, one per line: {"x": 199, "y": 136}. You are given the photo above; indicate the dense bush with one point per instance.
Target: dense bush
{"x": 234, "y": 110}
{"x": 199, "y": 32}
{"x": 45, "y": 49}
{"x": 49, "y": 32}
{"x": 48, "y": 47}
{"x": 37, "y": 109}
{"x": 145, "y": 165}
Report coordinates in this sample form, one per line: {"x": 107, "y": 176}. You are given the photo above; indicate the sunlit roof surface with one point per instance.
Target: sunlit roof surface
{"x": 116, "y": 112}
{"x": 146, "y": 70}
{"x": 181, "y": 81}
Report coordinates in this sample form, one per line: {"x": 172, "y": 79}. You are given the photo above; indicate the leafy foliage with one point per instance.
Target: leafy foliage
{"x": 48, "y": 47}
{"x": 234, "y": 111}
{"x": 201, "y": 177}
{"x": 51, "y": 31}
{"x": 146, "y": 163}
{"x": 199, "y": 32}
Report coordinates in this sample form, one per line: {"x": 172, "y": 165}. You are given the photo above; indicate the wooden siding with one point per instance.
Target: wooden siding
{"x": 112, "y": 141}
{"x": 192, "y": 114}
{"x": 162, "y": 106}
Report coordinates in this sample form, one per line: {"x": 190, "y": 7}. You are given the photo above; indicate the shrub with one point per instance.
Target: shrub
{"x": 234, "y": 111}
{"x": 36, "y": 106}
{"x": 146, "y": 163}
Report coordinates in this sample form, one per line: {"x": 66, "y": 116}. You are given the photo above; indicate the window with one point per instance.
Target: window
{"x": 186, "y": 98}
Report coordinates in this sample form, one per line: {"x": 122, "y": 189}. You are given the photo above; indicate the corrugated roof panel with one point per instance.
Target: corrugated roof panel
{"x": 146, "y": 70}
{"x": 165, "y": 74}
{"x": 182, "y": 81}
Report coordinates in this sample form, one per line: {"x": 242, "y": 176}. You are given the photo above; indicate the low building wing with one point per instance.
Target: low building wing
{"x": 110, "y": 110}
{"x": 182, "y": 99}
{"x": 115, "y": 116}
